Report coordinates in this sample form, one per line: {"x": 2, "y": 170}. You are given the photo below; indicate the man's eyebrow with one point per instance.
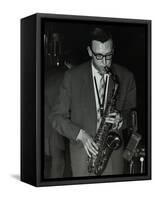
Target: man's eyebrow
{"x": 104, "y": 54}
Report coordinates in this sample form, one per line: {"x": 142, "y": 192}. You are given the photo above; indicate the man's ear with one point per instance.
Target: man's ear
{"x": 89, "y": 51}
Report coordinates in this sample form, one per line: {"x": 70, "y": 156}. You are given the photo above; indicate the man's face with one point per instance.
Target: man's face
{"x": 101, "y": 54}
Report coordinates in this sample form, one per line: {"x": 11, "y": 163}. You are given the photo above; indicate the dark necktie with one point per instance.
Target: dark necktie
{"x": 101, "y": 91}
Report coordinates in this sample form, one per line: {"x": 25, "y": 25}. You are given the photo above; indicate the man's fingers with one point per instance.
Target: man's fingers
{"x": 112, "y": 114}
{"x": 92, "y": 149}
{"x": 113, "y": 119}
{"x": 110, "y": 120}
{"x": 87, "y": 151}
{"x": 89, "y": 145}
{"x": 95, "y": 145}
{"x": 120, "y": 124}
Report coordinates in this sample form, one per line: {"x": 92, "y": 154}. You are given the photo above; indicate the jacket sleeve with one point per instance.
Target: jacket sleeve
{"x": 60, "y": 114}
{"x": 130, "y": 100}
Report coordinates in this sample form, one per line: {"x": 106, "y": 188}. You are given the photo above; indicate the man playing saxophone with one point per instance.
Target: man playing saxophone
{"x": 77, "y": 114}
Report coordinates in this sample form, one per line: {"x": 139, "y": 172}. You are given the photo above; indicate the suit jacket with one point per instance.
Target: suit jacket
{"x": 75, "y": 107}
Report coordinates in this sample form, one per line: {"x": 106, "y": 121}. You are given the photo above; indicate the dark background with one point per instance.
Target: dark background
{"x": 130, "y": 50}
{"x": 130, "y": 42}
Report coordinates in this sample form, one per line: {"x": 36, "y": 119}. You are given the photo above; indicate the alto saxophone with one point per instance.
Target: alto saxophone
{"x": 106, "y": 138}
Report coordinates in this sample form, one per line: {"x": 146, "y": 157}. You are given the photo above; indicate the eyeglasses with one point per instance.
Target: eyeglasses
{"x": 100, "y": 56}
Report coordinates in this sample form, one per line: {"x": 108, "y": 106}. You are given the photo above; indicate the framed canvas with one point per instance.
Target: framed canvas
{"x": 71, "y": 131}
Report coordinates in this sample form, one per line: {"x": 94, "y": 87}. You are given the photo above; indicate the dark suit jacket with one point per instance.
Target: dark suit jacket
{"x": 75, "y": 108}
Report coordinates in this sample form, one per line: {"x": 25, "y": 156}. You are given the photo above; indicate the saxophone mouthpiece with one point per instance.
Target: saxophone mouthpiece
{"x": 107, "y": 70}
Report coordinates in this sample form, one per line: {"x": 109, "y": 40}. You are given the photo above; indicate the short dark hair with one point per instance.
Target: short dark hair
{"x": 99, "y": 34}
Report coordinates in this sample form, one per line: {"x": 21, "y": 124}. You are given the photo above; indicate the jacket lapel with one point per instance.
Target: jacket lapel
{"x": 89, "y": 96}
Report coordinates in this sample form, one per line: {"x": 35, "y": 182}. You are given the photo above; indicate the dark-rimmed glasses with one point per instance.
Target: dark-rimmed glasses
{"x": 101, "y": 56}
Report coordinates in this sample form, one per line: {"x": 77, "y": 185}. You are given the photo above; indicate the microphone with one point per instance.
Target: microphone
{"x": 134, "y": 139}
{"x": 131, "y": 146}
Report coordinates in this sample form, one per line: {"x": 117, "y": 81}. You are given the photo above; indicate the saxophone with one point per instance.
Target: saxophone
{"x": 106, "y": 138}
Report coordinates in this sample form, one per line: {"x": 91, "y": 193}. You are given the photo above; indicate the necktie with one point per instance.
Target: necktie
{"x": 101, "y": 91}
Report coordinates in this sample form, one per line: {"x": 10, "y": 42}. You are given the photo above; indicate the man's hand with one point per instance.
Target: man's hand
{"x": 88, "y": 143}
{"x": 115, "y": 119}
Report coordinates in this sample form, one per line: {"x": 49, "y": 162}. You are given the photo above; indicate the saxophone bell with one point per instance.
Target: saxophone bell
{"x": 114, "y": 140}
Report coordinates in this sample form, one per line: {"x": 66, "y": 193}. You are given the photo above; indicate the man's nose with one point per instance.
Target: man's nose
{"x": 104, "y": 60}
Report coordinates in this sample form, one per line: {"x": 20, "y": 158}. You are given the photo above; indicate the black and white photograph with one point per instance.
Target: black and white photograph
{"x": 94, "y": 87}
{"x": 95, "y": 101}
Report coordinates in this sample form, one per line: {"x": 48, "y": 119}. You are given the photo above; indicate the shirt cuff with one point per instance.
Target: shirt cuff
{"x": 79, "y": 135}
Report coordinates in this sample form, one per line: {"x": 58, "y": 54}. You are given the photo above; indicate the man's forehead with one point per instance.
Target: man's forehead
{"x": 103, "y": 46}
